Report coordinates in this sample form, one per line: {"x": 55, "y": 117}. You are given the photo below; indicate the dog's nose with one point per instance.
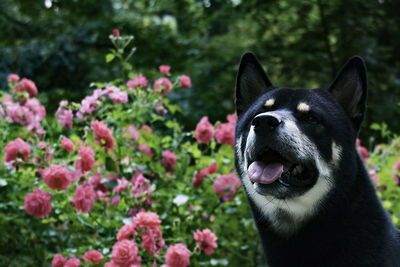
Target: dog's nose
{"x": 265, "y": 122}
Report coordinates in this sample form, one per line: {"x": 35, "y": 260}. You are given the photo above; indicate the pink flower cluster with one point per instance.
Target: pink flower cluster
{"x": 225, "y": 186}
{"x": 224, "y": 133}
{"x": 139, "y": 81}
{"x": 103, "y": 135}
{"x": 206, "y": 240}
{"x": 177, "y": 256}
{"x": 16, "y": 149}
{"x": 60, "y": 261}
{"x": 57, "y": 177}
{"x": 64, "y": 115}
{"x": 84, "y": 198}
{"x": 199, "y": 177}
{"x": 93, "y": 256}
{"x": 38, "y": 203}
{"x": 169, "y": 160}
{"x": 25, "y": 110}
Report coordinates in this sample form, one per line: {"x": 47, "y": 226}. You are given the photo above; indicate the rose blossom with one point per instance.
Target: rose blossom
{"x": 93, "y": 256}
{"x": 110, "y": 264}
{"x": 125, "y": 253}
{"x": 58, "y": 261}
{"x": 206, "y": 240}
{"x": 152, "y": 241}
{"x": 126, "y": 231}
{"x": 67, "y": 144}
{"x": 103, "y": 135}
{"x": 160, "y": 109}
{"x": 177, "y": 256}
{"x": 164, "y": 69}
{"x": 84, "y": 198}
{"x": 57, "y": 177}
{"x": 65, "y": 117}
{"x": 204, "y": 131}
{"x": 87, "y": 158}
{"x": 185, "y": 81}
{"x": 16, "y": 149}
{"x": 38, "y": 203}
{"x": 19, "y": 114}
{"x": 73, "y": 262}
{"x": 146, "y": 149}
{"x": 27, "y": 86}
{"x": 225, "y": 133}
{"x": 162, "y": 86}
{"x": 198, "y": 179}
{"x": 133, "y": 132}
{"x": 139, "y": 80}
{"x": 12, "y": 77}
{"x": 121, "y": 186}
{"x": 146, "y": 128}
{"x": 169, "y": 160}
{"x": 225, "y": 186}
{"x": 117, "y": 96}
{"x": 145, "y": 219}
{"x": 116, "y": 32}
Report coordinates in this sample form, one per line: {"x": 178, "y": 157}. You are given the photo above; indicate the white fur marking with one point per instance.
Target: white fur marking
{"x": 336, "y": 153}
{"x": 303, "y": 107}
{"x": 270, "y": 102}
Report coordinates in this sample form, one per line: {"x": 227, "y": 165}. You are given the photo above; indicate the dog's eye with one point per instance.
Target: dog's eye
{"x": 310, "y": 118}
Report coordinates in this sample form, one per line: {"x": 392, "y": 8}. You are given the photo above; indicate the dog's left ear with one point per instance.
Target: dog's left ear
{"x": 350, "y": 89}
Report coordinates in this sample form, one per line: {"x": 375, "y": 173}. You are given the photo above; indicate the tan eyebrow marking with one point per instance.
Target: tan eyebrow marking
{"x": 269, "y": 102}
{"x": 303, "y": 107}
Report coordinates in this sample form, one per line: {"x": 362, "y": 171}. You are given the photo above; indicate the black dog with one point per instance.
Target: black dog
{"x": 310, "y": 194}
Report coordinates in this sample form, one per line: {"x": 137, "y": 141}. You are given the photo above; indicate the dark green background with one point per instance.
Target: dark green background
{"x": 300, "y": 43}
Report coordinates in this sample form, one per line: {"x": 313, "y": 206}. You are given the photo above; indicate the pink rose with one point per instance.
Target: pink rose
{"x": 162, "y": 86}
{"x": 65, "y": 117}
{"x": 118, "y": 96}
{"x": 146, "y": 128}
{"x": 225, "y": 186}
{"x": 19, "y": 114}
{"x": 58, "y": 261}
{"x": 16, "y": 149}
{"x": 139, "y": 80}
{"x": 225, "y": 133}
{"x": 12, "y": 77}
{"x": 121, "y": 186}
{"x": 169, "y": 160}
{"x": 73, "y": 262}
{"x": 177, "y": 256}
{"x": 87, "y": 158}
{"x": 38, "y": 203}
{"x": 164, "y": 69}
{"x": 206, "y": 240}
{"x": 146, "y": 149}
{"x": 93, "y": 256}
{"x": 125, "y": 253}
{"x": 67, "y": 144}
{"x": 198, "y": 179}
{"x": 152, "y": 241}
{"x": 27, "y": 86}
{"x": 84, "y": 198}
{"x": 204, "y": 131}
{"x": 116, "y": 32}
{"x": 133, "y": 132}
{"x": 160, "y": 110}
{"x": 57, "y": 177}
{"x": 126, "y": 231}
{"x": 110, "y": 264}
{"x": 185, "y": 81}
{"x": 145, "y": 219}
{"x": 103, "y": 135}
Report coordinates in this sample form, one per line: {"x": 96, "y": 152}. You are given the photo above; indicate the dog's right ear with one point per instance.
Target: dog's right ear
{"x": 251, "y": 82}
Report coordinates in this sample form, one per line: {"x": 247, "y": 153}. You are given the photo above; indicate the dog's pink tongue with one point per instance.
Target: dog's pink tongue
{"x": 262, "y": 173}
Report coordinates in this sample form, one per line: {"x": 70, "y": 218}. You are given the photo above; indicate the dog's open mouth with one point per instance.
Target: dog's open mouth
{"x": 270, "y": 166}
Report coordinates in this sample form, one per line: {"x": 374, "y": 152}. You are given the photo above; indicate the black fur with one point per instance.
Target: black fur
{"x": 350, "y": 227}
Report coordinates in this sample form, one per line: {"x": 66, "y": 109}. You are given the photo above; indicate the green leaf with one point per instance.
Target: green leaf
{"x": 109, "y": 57}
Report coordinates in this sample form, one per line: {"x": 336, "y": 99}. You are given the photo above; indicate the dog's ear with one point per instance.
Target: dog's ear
{"x": 350, "y": 89}
{"x": 251, "y": 82}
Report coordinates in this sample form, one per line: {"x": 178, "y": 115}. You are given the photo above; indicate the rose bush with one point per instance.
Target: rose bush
{"x": 115, "y": 181}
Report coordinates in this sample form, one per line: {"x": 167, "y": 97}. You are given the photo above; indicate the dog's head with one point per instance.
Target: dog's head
{"x": 290, "y": 143}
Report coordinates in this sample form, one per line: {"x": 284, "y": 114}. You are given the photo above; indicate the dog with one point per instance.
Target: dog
{"x": 310, "y": 193}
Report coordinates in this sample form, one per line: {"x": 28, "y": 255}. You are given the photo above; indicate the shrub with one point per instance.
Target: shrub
{"x": 110, "y": 180}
